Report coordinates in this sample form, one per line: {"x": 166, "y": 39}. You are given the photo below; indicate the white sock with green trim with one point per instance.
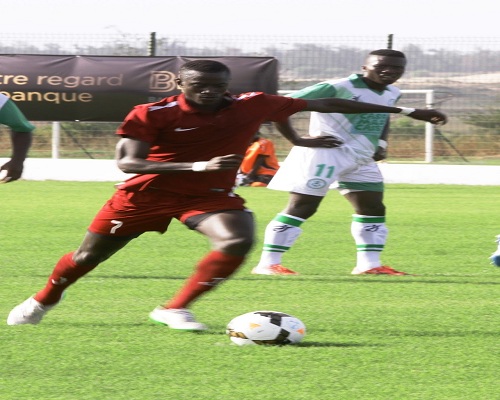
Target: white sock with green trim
{"x": 370, "y": 235}
{"x": 280, "y": 234}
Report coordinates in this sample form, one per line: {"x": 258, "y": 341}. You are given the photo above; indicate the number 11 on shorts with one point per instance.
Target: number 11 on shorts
{"x": 322, "y": 169}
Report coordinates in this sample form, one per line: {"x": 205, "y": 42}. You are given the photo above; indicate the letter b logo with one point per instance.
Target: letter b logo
{"x": 162, "y": 81}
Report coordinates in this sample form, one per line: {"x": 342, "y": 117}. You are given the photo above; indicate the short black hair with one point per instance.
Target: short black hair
{"x": 387, "y": 53}
{"x": 204, "y": 66}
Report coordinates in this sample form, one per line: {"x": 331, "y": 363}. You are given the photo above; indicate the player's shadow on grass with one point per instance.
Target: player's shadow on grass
{"x": 441, "y": 334}
{"x": 216, "y": 332}
{"x": 138, "y": 277}
{"x": 332, "y": 344}
{"x": 375, "y": 279}
{"x": 401, "y": 280}
{"x": 431, "y": 279}
{"x": 94, "y": 324}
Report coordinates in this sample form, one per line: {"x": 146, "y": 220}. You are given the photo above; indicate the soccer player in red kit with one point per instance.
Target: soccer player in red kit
{"x": 186, "y": 150}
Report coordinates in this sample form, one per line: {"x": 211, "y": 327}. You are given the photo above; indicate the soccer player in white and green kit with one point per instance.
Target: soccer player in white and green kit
{"x": 20, "y": 135}
{"x": 309, "y": 173}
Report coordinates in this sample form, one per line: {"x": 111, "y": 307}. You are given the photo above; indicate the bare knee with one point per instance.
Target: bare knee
{"x": 302, "y": 205}
{"x": 367, "y": 203}
{"x": 87, "y": 258}
{"x": 96, "y": 248}
{"x": 373, "y": 209}
{"x": 237, "y": 245}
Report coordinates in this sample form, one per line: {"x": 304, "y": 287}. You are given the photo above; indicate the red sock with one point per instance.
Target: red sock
{"x": 64, "y": 274}
{"x": 210, "y": 271}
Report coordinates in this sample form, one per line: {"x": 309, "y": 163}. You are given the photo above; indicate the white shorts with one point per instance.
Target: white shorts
{"x": 314, "y": 171}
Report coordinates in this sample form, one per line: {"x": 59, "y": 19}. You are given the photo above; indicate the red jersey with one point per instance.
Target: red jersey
{"x": 178, "y": 132}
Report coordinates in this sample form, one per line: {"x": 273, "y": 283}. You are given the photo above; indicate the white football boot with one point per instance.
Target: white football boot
{"x": 176, "y": 318}
{"x": 29, "y": 311}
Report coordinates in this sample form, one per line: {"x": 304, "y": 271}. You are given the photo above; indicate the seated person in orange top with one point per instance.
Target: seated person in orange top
{"x": 259, "y": 164}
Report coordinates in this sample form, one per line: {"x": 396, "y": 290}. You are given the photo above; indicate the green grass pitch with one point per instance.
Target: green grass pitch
{"x": 432, "y": 336}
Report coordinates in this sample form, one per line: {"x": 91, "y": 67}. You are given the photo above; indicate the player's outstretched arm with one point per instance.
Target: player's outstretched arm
{"x": 342, "y": 106}
{"x": 428, "y": 115}
{"x": 131, "y": 157}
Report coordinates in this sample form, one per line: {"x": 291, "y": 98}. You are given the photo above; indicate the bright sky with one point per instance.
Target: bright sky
{"x": 408, "y": 18}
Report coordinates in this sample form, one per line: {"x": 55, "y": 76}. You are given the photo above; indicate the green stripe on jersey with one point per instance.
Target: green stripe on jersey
{"x": 317, "y": 91}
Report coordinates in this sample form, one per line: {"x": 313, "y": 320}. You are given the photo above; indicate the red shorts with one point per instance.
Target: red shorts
{"x": 133, "y": 213}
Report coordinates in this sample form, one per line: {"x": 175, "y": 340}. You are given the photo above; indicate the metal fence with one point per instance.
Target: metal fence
{"x": 462, "y": 73}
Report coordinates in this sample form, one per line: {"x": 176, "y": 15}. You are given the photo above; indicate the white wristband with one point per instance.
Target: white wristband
{"x": 382, "y": 143}
{"x": 199, "y": 166}
{"x": 406, "y": 110}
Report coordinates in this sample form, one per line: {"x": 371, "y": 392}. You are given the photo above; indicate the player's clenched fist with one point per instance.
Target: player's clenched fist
{"x": 230, "y": 161}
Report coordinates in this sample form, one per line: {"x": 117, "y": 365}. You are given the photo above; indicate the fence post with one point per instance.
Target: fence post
{"x": 429, "y": 129}
{"x": 389, "y": 40}
{"x": 56, "y": 139}
{"x": 152, "y": 44}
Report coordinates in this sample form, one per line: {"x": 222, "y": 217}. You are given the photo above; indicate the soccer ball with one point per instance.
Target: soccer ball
{"x": 265, "y": 328}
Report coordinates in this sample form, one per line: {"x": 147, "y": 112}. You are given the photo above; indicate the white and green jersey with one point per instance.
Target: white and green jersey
{"x": 360, "y": 132}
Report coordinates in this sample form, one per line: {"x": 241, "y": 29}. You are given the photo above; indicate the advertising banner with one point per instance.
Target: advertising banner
{"x": 106, "y": 88}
